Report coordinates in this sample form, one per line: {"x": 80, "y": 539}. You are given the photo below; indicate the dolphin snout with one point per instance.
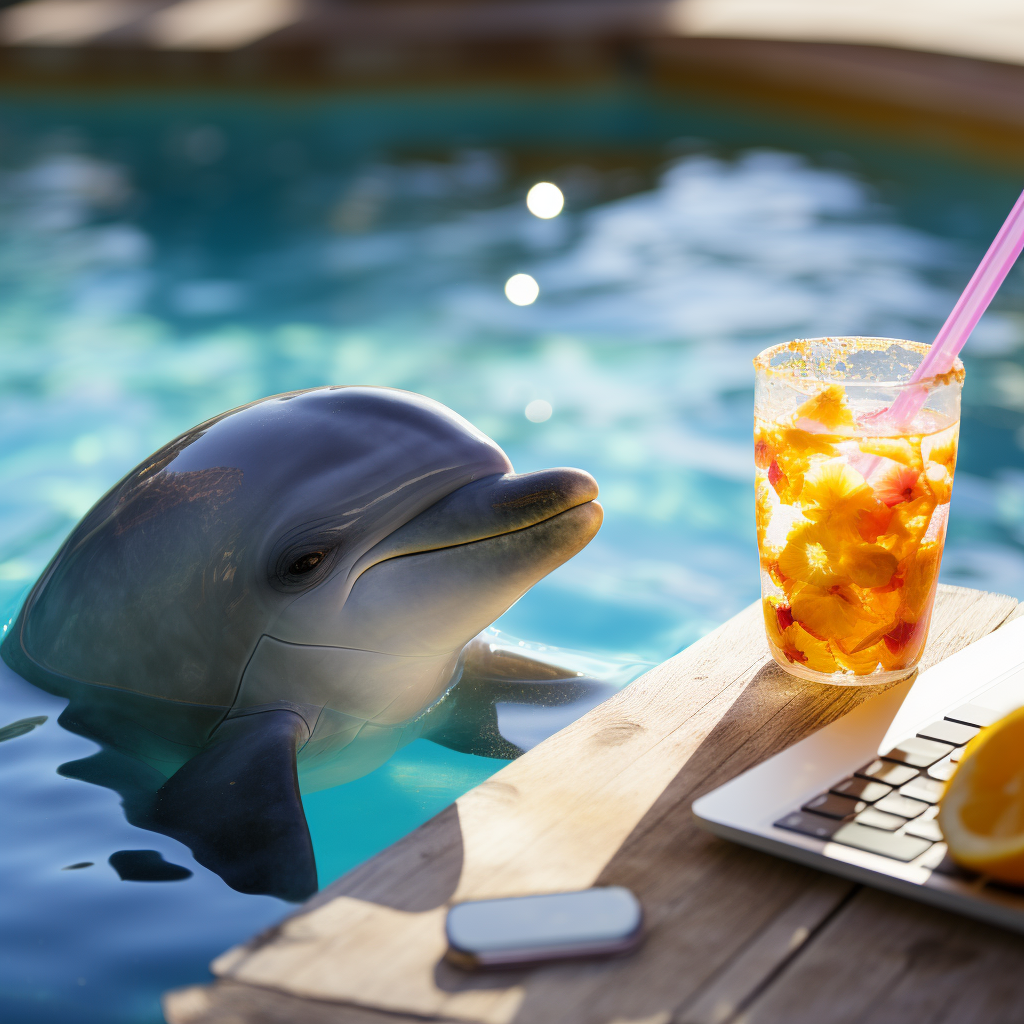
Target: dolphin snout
{"x": 538, "y": 496}
{"x": 468, "y": 559}
{"x": 487, "y": 508}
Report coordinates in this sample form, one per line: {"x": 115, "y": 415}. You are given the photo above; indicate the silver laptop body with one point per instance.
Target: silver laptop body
{"x": 859, "y": 797}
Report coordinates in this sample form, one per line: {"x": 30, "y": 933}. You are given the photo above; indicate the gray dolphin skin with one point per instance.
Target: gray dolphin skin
{"x": 280, "y": 598}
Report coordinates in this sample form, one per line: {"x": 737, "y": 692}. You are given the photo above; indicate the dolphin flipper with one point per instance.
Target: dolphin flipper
{"x": 467, "y": 719}
{"x": 237, "y": 806}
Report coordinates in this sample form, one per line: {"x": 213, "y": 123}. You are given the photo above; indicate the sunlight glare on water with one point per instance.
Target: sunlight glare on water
{"x": 545, "y": 200}
{"x": 521, "y": 290}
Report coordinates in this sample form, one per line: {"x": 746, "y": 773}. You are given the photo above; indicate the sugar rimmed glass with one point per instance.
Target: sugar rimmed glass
{"x": 851, "y": 509}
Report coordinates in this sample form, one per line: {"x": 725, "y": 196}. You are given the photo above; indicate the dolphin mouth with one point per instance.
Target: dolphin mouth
{"x": 486, "y": 509}
{"x": 451, "y": 570}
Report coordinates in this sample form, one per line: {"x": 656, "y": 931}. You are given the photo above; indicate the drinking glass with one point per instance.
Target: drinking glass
{"x": 851, "y": 507}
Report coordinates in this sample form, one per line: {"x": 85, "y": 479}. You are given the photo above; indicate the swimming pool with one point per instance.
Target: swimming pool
{"x": 165, "y": 258}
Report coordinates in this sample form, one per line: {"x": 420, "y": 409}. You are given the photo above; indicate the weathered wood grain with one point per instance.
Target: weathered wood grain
{"x": 229, "y": 1002}
{"x": 604, "y": 801}
{"x": 883, "y": 960}
{"x": 767, "y": 953}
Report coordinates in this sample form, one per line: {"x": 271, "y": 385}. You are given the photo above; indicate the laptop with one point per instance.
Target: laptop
{"x": 859, "y": 798}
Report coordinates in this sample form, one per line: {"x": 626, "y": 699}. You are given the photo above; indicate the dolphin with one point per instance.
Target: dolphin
{"x": 278, "y": 599}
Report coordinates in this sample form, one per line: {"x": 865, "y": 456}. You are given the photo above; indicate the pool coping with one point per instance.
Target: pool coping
{"x": 957, "y": 74}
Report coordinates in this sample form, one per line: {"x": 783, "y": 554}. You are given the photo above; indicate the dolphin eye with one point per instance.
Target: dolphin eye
{"x": 302, "y": 560}
{"x": 306, "y": 563}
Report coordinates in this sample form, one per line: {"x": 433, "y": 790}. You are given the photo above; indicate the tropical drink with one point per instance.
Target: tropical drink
{"x": 851, "y": 506}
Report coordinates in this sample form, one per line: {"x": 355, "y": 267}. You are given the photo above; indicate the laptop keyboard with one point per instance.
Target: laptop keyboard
{"x": 889, "y": 805}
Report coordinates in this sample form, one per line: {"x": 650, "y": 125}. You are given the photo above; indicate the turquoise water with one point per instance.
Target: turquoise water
{"x": 163, "y": 259}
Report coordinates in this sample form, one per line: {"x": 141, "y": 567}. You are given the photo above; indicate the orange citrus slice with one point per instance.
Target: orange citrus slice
{"x": 981, "y": 814}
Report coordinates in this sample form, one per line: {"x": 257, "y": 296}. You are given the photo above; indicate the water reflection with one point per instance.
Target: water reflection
{"x": 161, "y": 261}
{"x": 545, "y": 200}
{"x": 136, "y": 303}
{"x": 521, "y": 290}
{"x": 538, "y": 411}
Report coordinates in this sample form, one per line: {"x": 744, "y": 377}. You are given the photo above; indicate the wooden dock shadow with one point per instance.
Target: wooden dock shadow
{"x": 773, "y": 710}
{"x": 702, "y": 885}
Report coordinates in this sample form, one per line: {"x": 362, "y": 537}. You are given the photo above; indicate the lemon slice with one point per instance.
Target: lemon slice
{"x": 981, "y": 814}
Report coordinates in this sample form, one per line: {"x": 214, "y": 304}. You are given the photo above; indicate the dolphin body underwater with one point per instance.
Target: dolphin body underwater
{"x": 282, "y": 597}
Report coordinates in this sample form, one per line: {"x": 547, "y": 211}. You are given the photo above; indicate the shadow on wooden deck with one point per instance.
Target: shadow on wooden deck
{"x": 607, "y": 801}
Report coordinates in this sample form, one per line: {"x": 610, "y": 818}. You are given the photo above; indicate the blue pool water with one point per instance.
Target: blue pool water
{"x": 163, "y": 259}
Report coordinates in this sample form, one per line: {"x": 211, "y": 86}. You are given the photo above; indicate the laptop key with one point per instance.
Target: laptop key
{"x": 886, "y": 771}
{"x": 872, "y": 840}
{"x": 833, "y": 806}
{"x": 934, "y": 857}
{"x": 928, "y": 829}
{"x": 862, "y": 789}
{"x": 923, "y": 788}
{"x": 943, "y": 771}
{"x": 895, "y": 803}
{"x": 809, "y": 824}
{"x": 974, "y": 714}
{"x": 918, "y": 752}
{"x": 879, "y": 819}
{"x": 949, "y": 732}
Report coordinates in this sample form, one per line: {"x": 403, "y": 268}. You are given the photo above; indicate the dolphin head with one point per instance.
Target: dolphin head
{"x": 333, "y": 548}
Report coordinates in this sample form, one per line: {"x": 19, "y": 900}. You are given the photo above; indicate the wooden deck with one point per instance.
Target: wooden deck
{"x": 987, "y": 29}
{"x": 735, "y": 935}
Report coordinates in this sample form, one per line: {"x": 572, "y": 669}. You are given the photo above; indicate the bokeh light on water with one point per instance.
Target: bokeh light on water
{"x": 163, "y": 260}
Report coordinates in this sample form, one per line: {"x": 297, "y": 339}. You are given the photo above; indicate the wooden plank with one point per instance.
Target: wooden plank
{"x": 605, "y": 801}
{"x": 768, "y": 953}
{"x": 229, "y": 1002}
{"x": 886, "y": 959}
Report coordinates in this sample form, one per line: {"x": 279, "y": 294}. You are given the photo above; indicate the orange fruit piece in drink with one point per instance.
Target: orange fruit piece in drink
{"x": 941, "y": 448}
{"x": 777, "y": 620}
{"x": 793, "y": 640}
{"x": 937, "y": 479}
{"x": 796, "y": 443}
{"x": 811, "y": 556}
{"x": 898, "y": 449}
{"x": 766, "y": 444}
{"x": 981, "y": 814}
{"x": 868, "y": 565}
{"x": 908, "y": 525}
{"x": 831, "y": 613}
{"x": 868, "y": 659}
{"x": 835, "y": 493}
{"x": 810, "y": 651}
{"x": 897, "y": 483}
{"x": 873, "y": 521}
{"x": 828, "y": 407}
{"x": 762, "y": 514}
{"x": 920, "y": 578}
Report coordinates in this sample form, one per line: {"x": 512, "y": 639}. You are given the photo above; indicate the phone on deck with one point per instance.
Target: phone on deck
{"x": 523, "y": 930}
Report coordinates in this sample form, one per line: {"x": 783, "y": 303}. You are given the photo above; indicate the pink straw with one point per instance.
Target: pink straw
{"x": 979, "y": 292}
